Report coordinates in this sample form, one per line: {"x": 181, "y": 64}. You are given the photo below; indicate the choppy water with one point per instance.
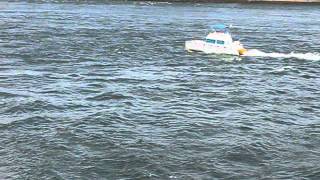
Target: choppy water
{"x": 106, "y": 91}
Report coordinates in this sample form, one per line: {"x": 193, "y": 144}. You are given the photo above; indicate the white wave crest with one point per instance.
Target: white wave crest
{"x": 306, "y": 56}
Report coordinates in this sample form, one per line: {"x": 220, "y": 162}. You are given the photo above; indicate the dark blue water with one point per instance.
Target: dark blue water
{"x": 107, "y": 91}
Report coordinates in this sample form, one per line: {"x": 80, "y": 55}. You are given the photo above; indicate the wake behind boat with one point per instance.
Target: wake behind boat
{"x": 219, "y": 41}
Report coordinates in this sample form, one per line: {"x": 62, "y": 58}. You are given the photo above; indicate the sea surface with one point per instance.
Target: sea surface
{"x": 105, "y": 90}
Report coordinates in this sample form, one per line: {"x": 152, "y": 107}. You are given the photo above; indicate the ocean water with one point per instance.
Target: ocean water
{"x": 106, "y": 91}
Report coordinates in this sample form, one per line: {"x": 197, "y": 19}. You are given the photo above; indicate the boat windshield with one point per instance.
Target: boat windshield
{"x": 211, "y": 41}
{"x": 220, "y": 42}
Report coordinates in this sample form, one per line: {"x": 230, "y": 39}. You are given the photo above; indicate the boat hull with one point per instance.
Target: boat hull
{"x": 208, "y": 48}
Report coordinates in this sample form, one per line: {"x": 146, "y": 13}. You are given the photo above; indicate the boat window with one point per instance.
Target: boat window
{"x": 211, "y": 41}
{"x": 220, "y": 42}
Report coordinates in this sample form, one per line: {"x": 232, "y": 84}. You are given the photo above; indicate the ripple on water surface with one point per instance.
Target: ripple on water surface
{"x": 106, "y": 90}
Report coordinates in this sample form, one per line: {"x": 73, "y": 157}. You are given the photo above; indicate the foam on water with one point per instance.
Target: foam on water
{"x": 306, "y": 56}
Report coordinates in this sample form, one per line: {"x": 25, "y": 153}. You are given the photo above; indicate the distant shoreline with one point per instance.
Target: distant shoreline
{"x": 243, "y": 1}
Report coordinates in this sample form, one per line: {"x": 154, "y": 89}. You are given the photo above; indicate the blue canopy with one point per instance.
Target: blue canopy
{"x": 220, "y": 27}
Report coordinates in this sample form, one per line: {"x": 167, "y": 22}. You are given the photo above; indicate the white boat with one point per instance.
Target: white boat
{"x": 219, "y": 41}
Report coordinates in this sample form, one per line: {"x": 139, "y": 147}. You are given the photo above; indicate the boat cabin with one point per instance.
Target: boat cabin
{"x": 220, "y": 39}
{"x": 219, "y": 36}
